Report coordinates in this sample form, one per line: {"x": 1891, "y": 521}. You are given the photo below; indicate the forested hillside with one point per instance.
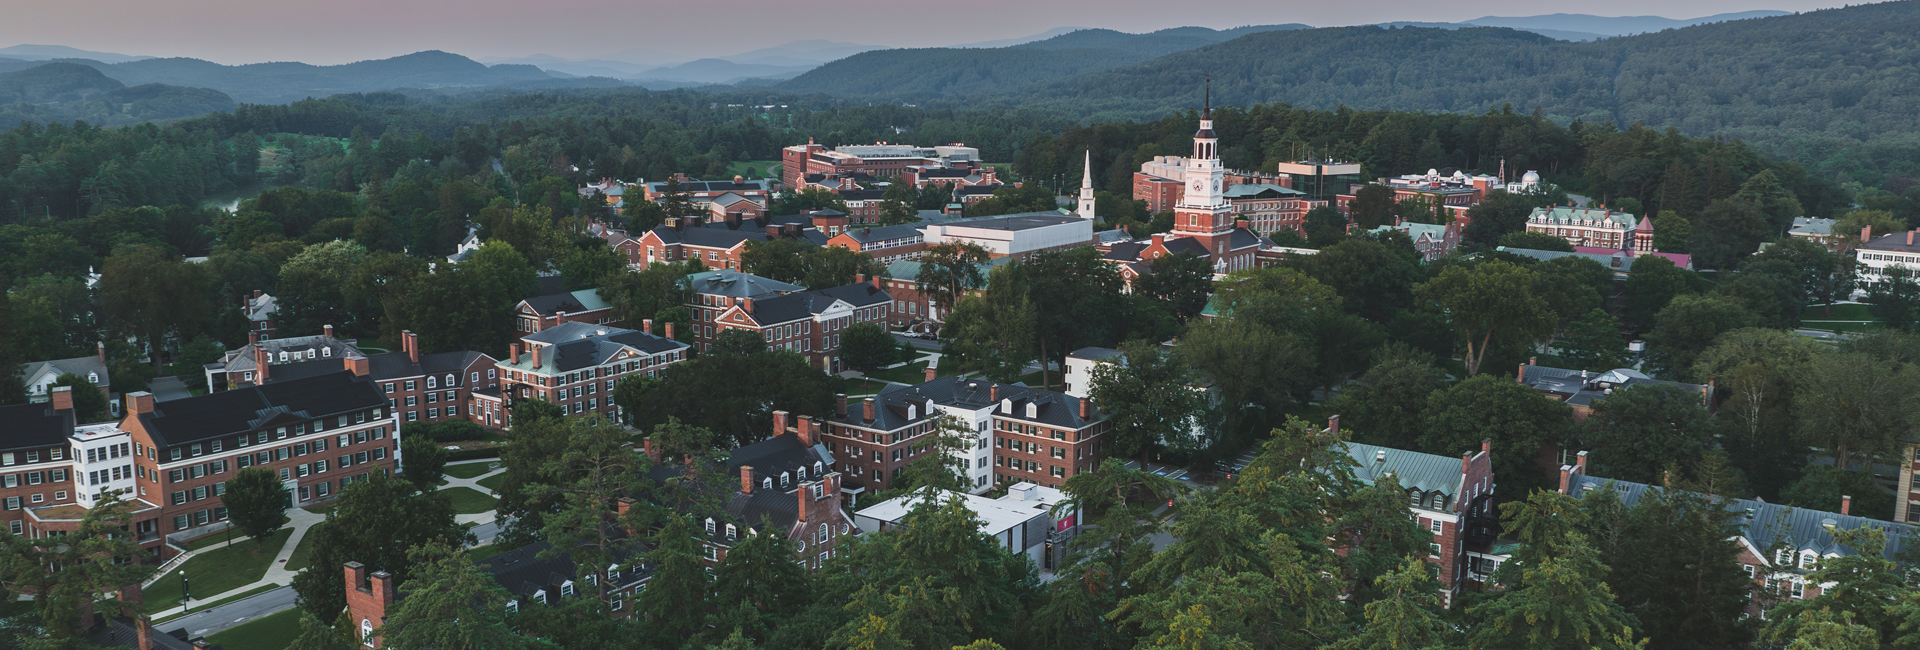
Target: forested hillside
{"x": 64, "y": 92}
{"x": 917, "y": 74}
{"x": 1837, "y": 90}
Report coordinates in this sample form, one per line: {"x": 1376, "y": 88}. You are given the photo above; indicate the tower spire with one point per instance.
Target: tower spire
{"x": 1085, "y": 209}
{"x": 1206, "y": 110}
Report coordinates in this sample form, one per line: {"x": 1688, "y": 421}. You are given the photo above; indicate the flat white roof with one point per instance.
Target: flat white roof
{"x": 996, "y": 515}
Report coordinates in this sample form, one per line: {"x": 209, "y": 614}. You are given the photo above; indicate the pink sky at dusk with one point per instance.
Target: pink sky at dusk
{"x": 341, "y": 31}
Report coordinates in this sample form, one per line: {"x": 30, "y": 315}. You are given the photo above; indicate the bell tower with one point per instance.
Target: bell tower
{"x": 1085, "y": 210}
{"x": 1203, "y": 210}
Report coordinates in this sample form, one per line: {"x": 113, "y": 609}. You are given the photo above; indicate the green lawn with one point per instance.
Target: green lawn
{"x": 750, "y": 168}
{"x": 1840, "y": 312}
{"x": 303, "y": 553}
{"x": 274, "y": 631}
{"x": 493, "y": 482}
{"x": 468, "y": 501}
{"x": 469, "y": 470}
{"x": 215, "y": 572}
{"x": 485, "y": 551}
{"x": 216, "y": 539}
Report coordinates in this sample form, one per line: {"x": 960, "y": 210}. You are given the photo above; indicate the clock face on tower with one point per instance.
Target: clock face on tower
{"x": 1197, "y": 185}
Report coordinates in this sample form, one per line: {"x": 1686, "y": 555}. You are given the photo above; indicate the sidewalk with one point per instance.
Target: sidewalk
{"x": 300, "y": 521}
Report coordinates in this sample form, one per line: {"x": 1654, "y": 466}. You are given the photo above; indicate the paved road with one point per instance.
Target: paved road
{"x": 225, "y": 616}
{"x": 923, "y": 344}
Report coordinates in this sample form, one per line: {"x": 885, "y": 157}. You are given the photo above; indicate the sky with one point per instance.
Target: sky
{"x": 342, "y": 31}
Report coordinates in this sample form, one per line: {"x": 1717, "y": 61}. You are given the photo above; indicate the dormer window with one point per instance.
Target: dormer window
{"x": 431, "y": 383}
{"x": 766, "y": 483}
{"x": 449, "y": 380}
{"x": 1783, "y": 558}
{"x": 818, "y": 469}
{"x": 93, "y": 378}
{"x": 1006, "y": 406}
{"x": 309, "y": 354}
{"x": 710, "y": 529}
{"x": 566, "y": 588}
{"x": 785, "y": 480}
{"x": 283, "y": 356}
{"x": 540, "y": 597}
{"x": 1033, "y": 410}
{"x": 732, "y": 533}
{"x": 1808, "y": 558}
{"x": 326, "y": 352}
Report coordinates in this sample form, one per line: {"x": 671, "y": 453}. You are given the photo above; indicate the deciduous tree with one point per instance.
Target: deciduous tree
{"x": 1489, "y": 301}
{"x": 256, "y": 502}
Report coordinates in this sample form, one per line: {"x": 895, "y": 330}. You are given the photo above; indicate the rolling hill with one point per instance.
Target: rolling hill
{"x": 927, "y": 73}
{"x": 62, "y": 91}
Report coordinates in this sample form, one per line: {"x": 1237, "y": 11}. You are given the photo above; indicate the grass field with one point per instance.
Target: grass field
{"x": 485, "y": 551}
{"x": 493, "y": 482}
{"x": 750, "y": 169}
{"x": 469, "y": 470}
{"x": 274, "y": 631}
{"x": 468, "y": 501}
{"x": 216, "y": 539}
{"x": 303, "y": 553}
{"x": 215, "y": 572}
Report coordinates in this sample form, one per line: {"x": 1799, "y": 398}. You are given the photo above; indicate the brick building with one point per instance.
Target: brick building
{"x": 1020, "y": 433}
{"x": 419, "y": 387}
{"x": 717, "y": 248}
{"x": 583, "y": 306}
{"x": 1452, "y": 498}
{"x": 712, "y": 292}
{"x": 786, "y": 486}
{"x": 887, "y": 244}
{"x": 1433, "y": 241}
{"x": 261, "y": 311}
{"x": 1593, "y": 227}
{"x": 1204, "y": 220}
{"x": 171, "y": 460}
{"x": 880, "y": 159}
{"x": 807, "y": 322}
{"x": 243, "y": 366}
{"x": 575, "y": 365}
{"x": 749, "y": 199}
{"x": 1780, "y": 545}
{"x": 1268, "y": 208}
{"x": 1161, "y": 182}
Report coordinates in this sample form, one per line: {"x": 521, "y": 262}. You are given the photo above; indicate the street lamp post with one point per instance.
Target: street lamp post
{"x": 186, "y": 594}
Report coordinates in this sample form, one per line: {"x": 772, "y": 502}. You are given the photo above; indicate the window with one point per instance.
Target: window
{"x": 1433, "y": 550}
{"x": 709, "y": 526}
{"x": 820, "y": 537}
{"x": 1434, "y": 525}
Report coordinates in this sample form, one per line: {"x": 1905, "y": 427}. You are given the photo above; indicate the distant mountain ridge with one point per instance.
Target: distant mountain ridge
{"x": 930, "y": 72}
{"x": 50, "y": 52}
{"x": 64, "y": 91}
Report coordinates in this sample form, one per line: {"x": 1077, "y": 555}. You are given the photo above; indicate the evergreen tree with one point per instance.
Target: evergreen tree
{"x": 1406, "y": 617}
{"x": 449, "y": 605}
{"x": 1552, "y": 591}
{"x": 679, "y": 582}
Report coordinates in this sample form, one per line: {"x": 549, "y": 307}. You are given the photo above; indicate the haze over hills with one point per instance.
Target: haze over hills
{"x": 63, "y": 91}
{"x": 49, "y": 52}
{"x": 906, "y": 74}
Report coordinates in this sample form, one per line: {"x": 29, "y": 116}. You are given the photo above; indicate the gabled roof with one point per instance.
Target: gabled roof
{"x": 805, "y": 304}
{"x": 245, "y": 408}
{"x": 572, "y": 302}
{"x": 772, "y": 510}
{"x": 34, "y": 425}
{"x": 882, "y": 233}
{"x": 83, "y": 366}
{"x": 1051, "y": 408}
{"x": 395, "y": 365}
{"x": 1561, "y": 214}
{"x": 1260, "y": 191}
{"x": 571, "y": 346}
{"x": 1580, "y": 388}
{"x": 1815, "y": 226}
{"x": 296, "y": 347}
{"x": 1764, "y": 523}
{"x": 736, "y": 284}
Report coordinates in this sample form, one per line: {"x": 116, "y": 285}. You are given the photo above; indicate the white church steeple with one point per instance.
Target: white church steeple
{"x": 1086, "y": 188}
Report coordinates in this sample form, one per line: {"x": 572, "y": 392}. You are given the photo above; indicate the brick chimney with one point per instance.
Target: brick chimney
{"x": 413, "y": 346}
{"x": 1333, "y": 424}
{"x": 1486, "y": 445}
{"x": 646, "y": 326}
{"x": 140, "y": 402}
{"x": 840, "y": 405}
{"x": 1083, "y": 407}
{"x": 253, "y": 337}
{"x": 263, "y": 359}
{"x": 1846, "y": 503}
{"x": 514, "y": 353}
{"x": 368, "y": 597}
{"x": 876, "y": 279}
{"x": 1866, "y": 233}
{"x": 1909, "y": 238}
{"x": 535, "y": 351}
{"x": 932, "y": 372}
{"x": 809, "y": 431}
{"x": 326, "y": 331}
{"x": 866, "y": 410}
{"x": 747, "y": 305}
{"x": 1466, "y": 462}
{"x": 669, "y": 329}
{"x": 779, "y": 423}
{"x": 621, "y": 506}
{"x": 359, "y": 366}
{"x": 746, "y": 479}
{"x": 100, "y": 350}
{"x": 993, "y": 392}
{"x": 646, "y": 447}
{"x": 257, "y": 293}
{"x": 61, "y": 397}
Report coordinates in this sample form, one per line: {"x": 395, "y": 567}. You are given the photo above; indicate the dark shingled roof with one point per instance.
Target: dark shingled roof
{"x": 25, "y": 426}
{"x": 1801, "y": 528}
{"x": 722, "y": 237}
{"x": 548, "y": 305}
{"x": 795, "y": 306}
{"x": 1052, "y": 408}
{"x": 767, "y": 510}
{"x": 396, "y": 364}
{"x": 1578, "y": 388}
{"x": 246, "y": 408}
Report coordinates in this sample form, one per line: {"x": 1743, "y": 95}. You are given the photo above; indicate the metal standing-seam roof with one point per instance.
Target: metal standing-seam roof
{"x": 1415, "y": 470}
